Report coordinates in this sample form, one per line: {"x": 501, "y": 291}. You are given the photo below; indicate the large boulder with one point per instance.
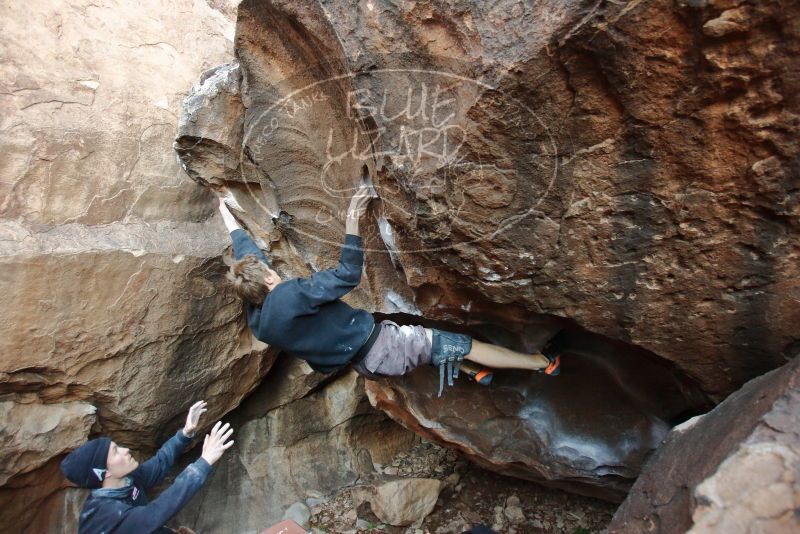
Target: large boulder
{"x": 629, "y": 166}
{"x": 622, "y": 169}
{"x": 35, "y": 436}
{"x": 734, "y": 469}
{"x": 114, "y": 318}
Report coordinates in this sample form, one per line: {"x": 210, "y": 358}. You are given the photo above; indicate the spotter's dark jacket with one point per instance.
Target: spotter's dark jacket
{"x": 134, "y": 514}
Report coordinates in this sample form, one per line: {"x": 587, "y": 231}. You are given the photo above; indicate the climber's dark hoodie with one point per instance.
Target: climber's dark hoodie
{"x": 305, "y": 317}
{"x": 127, "y": 511}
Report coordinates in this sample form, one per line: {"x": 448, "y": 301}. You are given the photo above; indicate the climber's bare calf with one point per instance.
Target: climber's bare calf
{"x": 498, "y": 357}
{"x": 503, "y": 358}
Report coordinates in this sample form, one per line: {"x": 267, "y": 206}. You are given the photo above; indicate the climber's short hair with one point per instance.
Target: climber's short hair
{"x": 247, "y": 276}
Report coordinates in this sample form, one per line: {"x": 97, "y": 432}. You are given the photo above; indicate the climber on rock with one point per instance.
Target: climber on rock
{"x": 117, "y": 503}
{"x": 305, "y": 316}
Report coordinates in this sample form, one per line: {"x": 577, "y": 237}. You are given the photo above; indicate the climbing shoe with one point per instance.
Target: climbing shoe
{"x": 554, "y": 368}
{"x": 552, "y": 351}
{"x": 482, "y": 376}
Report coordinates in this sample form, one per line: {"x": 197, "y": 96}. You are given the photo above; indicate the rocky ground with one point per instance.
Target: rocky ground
{"x": 471, "y": 496}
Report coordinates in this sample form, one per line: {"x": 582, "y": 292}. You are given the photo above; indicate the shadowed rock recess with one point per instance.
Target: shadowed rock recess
{"x": 589, "y": 431}
{"x": 623, "y": 170}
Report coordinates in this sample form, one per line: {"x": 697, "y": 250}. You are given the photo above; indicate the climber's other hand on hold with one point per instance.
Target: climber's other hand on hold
{"x": 358, "y": 205}
{"x": 227, "y": 217}
{"x": 214, "y": 445}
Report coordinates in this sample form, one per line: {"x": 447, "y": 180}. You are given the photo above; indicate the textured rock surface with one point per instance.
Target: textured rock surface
{"x": 735, "y": 469}
{"x": 109, "y": 264}
{"x": 628, "y": 166}
{"x": 402, "y": 501}
{"x": 33, "y": 433}
{"x": 300, "y": 242}
{"x": 41, "y": 501}
{"x": 34, "y": 495}
{"x": 631, "y": 166}
{"x": 313, "y": 442}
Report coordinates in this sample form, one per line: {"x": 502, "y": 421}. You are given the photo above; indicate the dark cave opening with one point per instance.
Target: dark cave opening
{"x": 652, "y": 382}
{"x": 590, "y": 430}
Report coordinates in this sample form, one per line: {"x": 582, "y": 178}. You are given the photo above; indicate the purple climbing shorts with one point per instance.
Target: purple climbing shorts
{"x": 397, "y": 351}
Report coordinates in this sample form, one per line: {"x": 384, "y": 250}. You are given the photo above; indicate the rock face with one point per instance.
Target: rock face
{"x": 33, "y": 434}
{"x": 113, "y": 312}
{"x": 625, "y": 168}
{"x": 629, "y": 166}
{"x": 32, "y": 489}
{"x": 291, "y": 446}
{"x": 733, "y": 469}
{"x": 622, "y": 168}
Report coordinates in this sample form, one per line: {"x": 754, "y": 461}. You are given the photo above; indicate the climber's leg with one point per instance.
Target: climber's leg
{"x": 547, "y": 361}
{"x": 502, "y": 358}
{"x": 450, "y": 349}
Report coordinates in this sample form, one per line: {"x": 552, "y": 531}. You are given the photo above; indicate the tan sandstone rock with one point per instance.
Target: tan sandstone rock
{"x": 34, "y": 433}
{"x": 608, "y": 163}
{"x": 621, "y": 168}
{"x": 109, "y": 255}
{"x": 400, "y": 501}
{"x": 630, "y": 167}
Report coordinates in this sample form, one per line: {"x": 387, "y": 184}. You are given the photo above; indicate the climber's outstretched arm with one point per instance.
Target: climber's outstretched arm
{"x": 154, "y": 515}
